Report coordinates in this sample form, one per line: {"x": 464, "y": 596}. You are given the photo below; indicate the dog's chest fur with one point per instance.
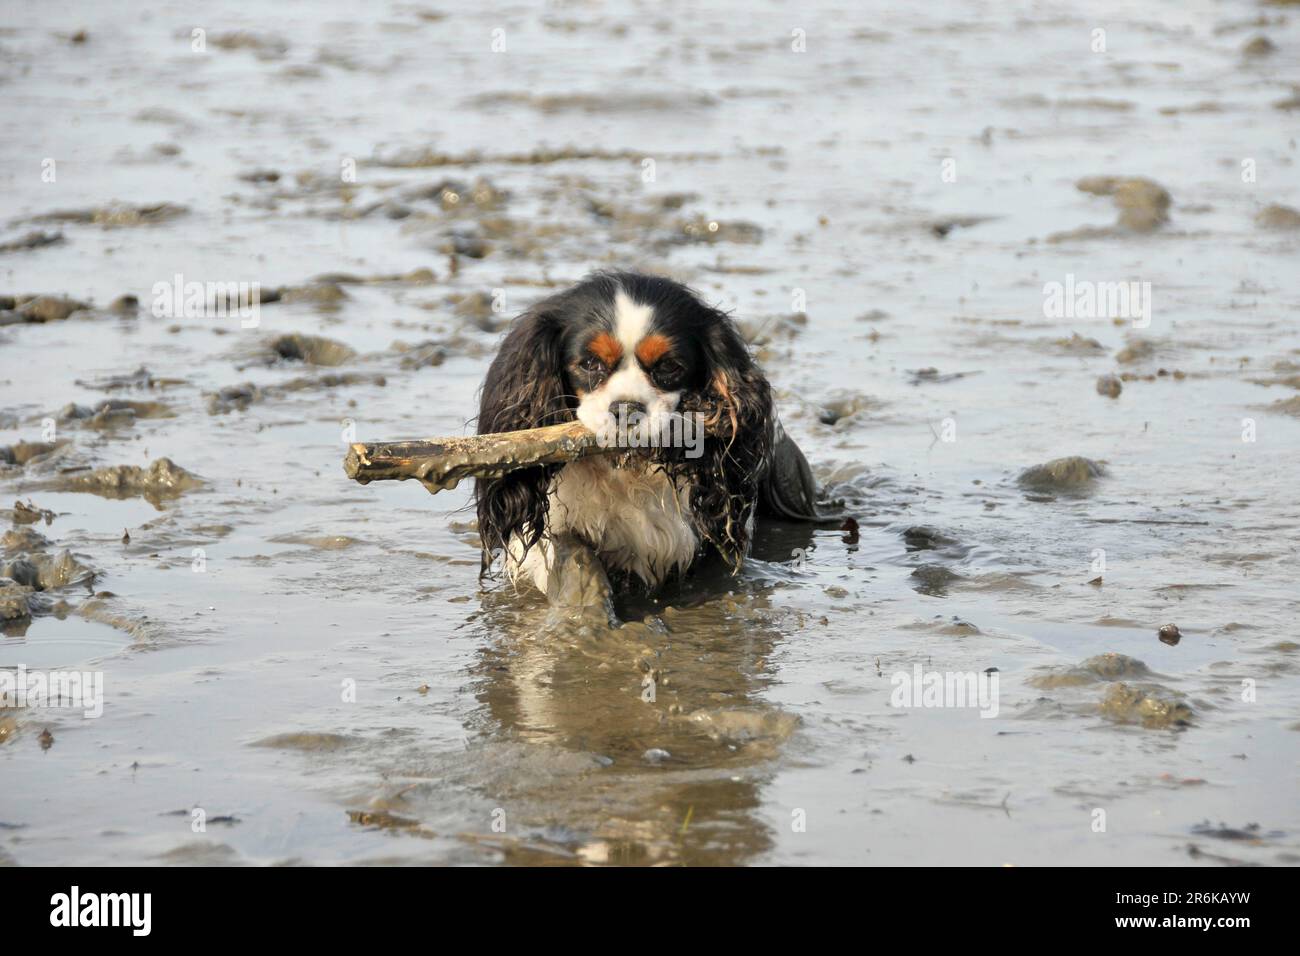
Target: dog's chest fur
{"x": 634, "y": 517}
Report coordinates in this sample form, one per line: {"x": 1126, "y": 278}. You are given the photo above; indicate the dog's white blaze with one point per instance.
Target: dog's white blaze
{"x": 631, "y": 323}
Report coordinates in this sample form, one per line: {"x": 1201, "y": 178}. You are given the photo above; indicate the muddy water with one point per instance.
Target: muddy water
{"x": 315, "y": 665}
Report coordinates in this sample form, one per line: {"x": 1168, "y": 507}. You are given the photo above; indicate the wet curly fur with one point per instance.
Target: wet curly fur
{"x": 531, "y": 383}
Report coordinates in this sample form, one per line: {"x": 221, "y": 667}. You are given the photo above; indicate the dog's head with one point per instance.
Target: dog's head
{"x": 647, "y": 365}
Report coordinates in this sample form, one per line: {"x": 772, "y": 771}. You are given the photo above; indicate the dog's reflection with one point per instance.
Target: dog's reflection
{"x": 653, "y": 735}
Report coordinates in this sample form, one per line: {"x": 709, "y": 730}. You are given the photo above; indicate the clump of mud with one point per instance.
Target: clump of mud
{"x": 311, "y": 349}
{"x": 840, "y": 410}
{"x": 141, "y": 379}
{"x": 1143, "y": 207}
{"x": 23, "y": 453}
{"x": 162, "y": 479}
{"x": 117, "y": 215}
{"x": 239, "y": 397}
{"x": 1062, "y": 474}
{"x": 1109, "y": 386}
{"x": 1103, "y": 667}
{"x": 27, "y": 570}
{"x": 1136, "y": 350}
{"x": 1150, "y": 705}
{"x": 1143, "y": 204}
{"x": 112, "y": 413}
{"x": 32, "y": 240}
{"x": 38, "y": 308}
{"x": 1078, "y": 344}
{"x": 1278, "y": 217}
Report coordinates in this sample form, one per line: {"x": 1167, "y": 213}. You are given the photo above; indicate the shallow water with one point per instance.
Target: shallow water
{"x": 317, "y": 659}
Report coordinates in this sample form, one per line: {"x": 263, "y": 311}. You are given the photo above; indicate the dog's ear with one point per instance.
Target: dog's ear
{"x": 524, "y": 388}
{"x": 729, "y": 475}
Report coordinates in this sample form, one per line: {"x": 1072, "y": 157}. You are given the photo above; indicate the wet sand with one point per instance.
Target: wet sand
{"x": 315, "y": 664}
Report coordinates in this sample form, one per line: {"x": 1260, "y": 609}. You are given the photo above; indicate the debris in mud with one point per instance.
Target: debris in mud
{"x": 38, "y": 308}
{"x": 704, "y": 229}
{"x": 311, "y": 349}
{"x": 923, "y": 538}
{"x": 420, "y": 158}
{"x": 1136, "y": 350}
{"x": 307, "y": 741}
{"x": 112, "y": 413}
{"x": 842, "y": 408}
{"x": 141, "y": 378}
{"x": 46, "y": 739}
{"x": 1148, "y": 704}
{"x": 941, "y": 227}
{"x": 1143, "y": 207}
{"x": 932, "y": 376}
{"x": 264, "y": 46}
{"x": 421, "y": 276}
{"x": 456, "y": 194}
{"x": 43, "y": 572}
{"x": 1283, "y": 406}
{"x": 162, "y": 479}
{"x": 1103, "y": 667}
{"x": 233, "y": 398}
{"x": 850, "y": 529}
{"x": 622, "y": 101}
{"x": 326, "y": 295}
{"x": 117, "y": 215}
{"x": 25, "y": 452}
{"x": 1143, "y": 204}
{"x": 32, "y": 240}
{"x": 656, "y": 756}
{"x": 934, "y": 579}
{"x": 240, "y": 397}
{"x": 1062, "y": 474}
{"x": 1169, "y": 634}
{"x": 768, "y": 329}
{"x": 29, "y": 513}
{"x": 18, "y": 603}
{"x": 420, "y": 355}
{"x": 1078, "y": 344}
{"x": 259, "y": 176}
{"x": 1292, "y": 102}
{"x": 1250, "y": 833}
{"x": 382, "y": 819}
{"x": 1278, "y": 217}
{"x": 1109, "y": 386}
{"x": 1258, "y": 47}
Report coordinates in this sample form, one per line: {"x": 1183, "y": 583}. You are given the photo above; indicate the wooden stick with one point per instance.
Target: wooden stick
{"x": 439, "y": 463}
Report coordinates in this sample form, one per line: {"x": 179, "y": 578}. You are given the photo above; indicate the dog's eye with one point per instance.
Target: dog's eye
{"x": 593, "y": 365}
{"x": 667, "y": 373}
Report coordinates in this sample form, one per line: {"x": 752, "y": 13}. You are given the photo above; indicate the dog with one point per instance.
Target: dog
{"x": 668, "y": 380}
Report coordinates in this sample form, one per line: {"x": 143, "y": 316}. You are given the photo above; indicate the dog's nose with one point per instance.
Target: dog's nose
{"x": 626, "y": 410}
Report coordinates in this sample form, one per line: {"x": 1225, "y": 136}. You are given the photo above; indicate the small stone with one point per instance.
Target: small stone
{"x": 1169, "y": 634}
{"x": 1110, "y": 386}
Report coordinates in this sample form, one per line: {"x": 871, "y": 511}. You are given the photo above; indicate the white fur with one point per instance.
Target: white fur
{"x": 634, "y": 517}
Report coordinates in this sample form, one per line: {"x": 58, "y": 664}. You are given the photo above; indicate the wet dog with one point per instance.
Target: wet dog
{"x": 667, "y": 382}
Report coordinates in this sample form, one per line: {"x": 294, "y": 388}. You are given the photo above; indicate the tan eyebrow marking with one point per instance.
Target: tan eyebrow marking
{"x": 652, "y": 348}
{"x": 606, "y": 348}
